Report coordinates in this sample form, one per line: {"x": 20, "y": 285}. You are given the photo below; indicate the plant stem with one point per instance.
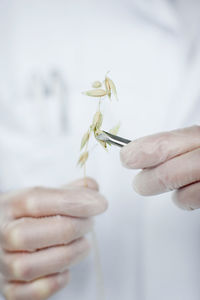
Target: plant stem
{"x": 100, "y": 104}
{"x": 98, "y": 269}
{"x": 97, "y": 260}
{"x": 84, "y": 168}
{"x": 85, "y": 179}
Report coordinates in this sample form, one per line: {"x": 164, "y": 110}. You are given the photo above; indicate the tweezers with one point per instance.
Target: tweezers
{"x": 112, "y": 139}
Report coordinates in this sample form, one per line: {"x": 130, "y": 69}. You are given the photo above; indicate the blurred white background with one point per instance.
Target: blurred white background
{"x": 51, "y": 51}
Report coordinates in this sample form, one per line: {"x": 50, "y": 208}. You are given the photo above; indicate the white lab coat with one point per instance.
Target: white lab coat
{"x": 149, "y": 248}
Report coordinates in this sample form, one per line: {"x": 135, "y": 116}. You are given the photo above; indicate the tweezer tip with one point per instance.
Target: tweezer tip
{"x": 103, "y": 137}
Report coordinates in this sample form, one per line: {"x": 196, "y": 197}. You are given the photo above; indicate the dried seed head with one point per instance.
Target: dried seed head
{"x": 102, "y": 143}
{"x": 112, "y": 87}
{"x": 85, "y": 139}
{"x": 107, "y": 86}
{"x": 83, "y": 158}
{"x": 95, "y": 93}
{"x": 96, "y": 84}
{"x": 115, "y": 129}
{"x": 97, "y": 132}
{"x": 97, "y": 121}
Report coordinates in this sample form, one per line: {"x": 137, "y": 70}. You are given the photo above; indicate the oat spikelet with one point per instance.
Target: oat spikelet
{"x": 85, "y": 139}
{"x": 115, "y": 129}
{"x": 96, "y": 84}
{"x": 83, "y": 158}
{"x": 112, "y": 87}
{"x": 95, "y": 93}
{"x": 97, "y": 121}
{"x": 107, "y": 86}
{"x": 97, "y": 132}
{"x": 103, "y": 144}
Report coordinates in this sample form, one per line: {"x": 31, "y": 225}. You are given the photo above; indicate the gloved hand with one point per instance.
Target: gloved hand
{"x": 42, "y": 234}
{"x": 170, "y": 161}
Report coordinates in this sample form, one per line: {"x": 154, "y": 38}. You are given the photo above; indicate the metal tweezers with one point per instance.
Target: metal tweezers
{"x": 112, "y": 139}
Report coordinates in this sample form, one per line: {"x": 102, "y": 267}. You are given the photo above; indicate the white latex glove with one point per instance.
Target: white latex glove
{"x": 170, "y": 161}
{"x": 42, "y": 234}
